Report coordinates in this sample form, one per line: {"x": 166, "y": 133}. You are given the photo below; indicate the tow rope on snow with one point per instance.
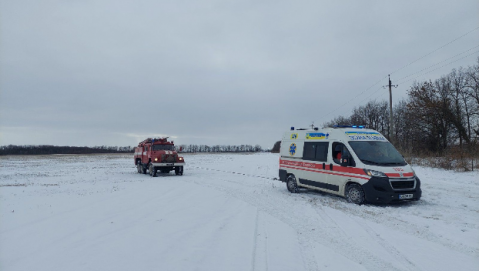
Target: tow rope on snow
{"x": 238, "y": 173}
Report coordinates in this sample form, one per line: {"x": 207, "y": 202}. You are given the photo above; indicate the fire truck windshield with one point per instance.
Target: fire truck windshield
{"x": 162, "y": 147}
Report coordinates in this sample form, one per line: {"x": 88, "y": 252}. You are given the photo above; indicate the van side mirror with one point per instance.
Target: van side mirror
{"x": 345, "y": 160}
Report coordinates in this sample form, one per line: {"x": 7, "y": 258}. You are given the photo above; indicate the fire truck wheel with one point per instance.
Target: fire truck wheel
{"x": 143, "y": 169}
{"x": 355, "y": 194}
{"x": 152, "y": 170}
{"x": 291, "y": 184}
{"x": 138, "y": 167}
{"x": 179, "y": 170}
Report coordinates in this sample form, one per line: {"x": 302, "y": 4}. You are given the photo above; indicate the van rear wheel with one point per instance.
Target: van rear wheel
{"x": 355, "y": 194}
{"x": 291, "y": 184}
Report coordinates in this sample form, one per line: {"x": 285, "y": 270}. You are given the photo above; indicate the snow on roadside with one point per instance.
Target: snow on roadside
{"x": 94, "y": 212}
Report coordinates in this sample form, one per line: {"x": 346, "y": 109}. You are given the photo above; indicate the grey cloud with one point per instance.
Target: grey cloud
{"x": 207, "y": 71}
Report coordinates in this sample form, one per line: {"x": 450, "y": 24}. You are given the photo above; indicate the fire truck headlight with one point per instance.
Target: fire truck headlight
{"x": 156, "y": 159}
{"x": 181, "y": 158}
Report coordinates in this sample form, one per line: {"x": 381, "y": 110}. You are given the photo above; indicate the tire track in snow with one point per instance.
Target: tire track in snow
{"x": 408, "y": 228}
{"x": 260, "y": 253}
{"x": 334, "y": 228}
{"x": 387, "y": 247}
{"x": 307, "y": 253}
{"x": 253, "y": 258}
{"x": 383, "y": 243}
{"x": 394, "y": 222}
{"x": 300, "y": 224}
{"x": 265, "y": 233}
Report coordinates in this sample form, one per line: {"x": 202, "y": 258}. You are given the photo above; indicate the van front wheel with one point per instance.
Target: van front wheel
{"x": 291, "y": 184}
{"x": 355, "y": 194}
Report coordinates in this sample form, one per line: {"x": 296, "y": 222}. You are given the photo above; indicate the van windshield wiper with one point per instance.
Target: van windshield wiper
{"x": 394, "y": 164}
{"x": 371, "y": 162}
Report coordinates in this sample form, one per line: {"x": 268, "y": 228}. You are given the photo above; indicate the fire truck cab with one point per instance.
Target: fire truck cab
{"x": 350, "y": 161}
{"x": 158, "y": 154}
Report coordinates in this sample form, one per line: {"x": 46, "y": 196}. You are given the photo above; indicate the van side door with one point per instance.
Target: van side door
{"x": 315, "y": 157}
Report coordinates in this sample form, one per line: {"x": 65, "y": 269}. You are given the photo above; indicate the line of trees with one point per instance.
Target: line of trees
{"x": 437, "y": 116}
{"x": 50, "y": 149}
{"x": 219, "y": 148}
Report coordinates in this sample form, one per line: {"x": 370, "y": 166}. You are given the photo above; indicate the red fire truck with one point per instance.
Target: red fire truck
{"x": 153, "y": 154}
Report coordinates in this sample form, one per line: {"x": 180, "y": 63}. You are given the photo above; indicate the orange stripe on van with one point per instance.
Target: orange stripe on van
{"x": 336, "y": 167}
{"x": 325, "y": 172}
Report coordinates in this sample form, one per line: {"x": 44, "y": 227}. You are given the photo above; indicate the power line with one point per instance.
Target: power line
{"x": 438, "y": 63}
{"x": 331, "y": 112}
{"x": 377, "y": 90}
{"x": 384, "y": 93}
{"x": 428, "y": 54}
{"x": 440, "y": 67}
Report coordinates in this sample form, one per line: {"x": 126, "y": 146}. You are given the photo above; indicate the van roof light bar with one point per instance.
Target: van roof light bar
{"x": 349, "y": 126}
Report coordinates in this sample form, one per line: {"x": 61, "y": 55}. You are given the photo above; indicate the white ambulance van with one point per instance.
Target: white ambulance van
{"x": 351, "y": 161}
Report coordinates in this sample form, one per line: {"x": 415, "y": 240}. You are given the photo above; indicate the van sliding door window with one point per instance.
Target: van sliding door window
{"x": 315, "y": 151}
{"x": 309, "y": 152}
{"x": 322, "y": 151}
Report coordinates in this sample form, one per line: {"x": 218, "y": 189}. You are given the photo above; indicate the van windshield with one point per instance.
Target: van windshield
{"x": 379, "y": 153}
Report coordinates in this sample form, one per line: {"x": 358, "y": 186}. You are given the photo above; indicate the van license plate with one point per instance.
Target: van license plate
{"x": 405, "y": 196}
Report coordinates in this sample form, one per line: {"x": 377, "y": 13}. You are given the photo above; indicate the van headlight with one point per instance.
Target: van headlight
{"x": 374, "y": 173}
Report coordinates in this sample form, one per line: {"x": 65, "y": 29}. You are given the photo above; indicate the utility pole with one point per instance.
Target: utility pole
{"x": 391, "y": 133}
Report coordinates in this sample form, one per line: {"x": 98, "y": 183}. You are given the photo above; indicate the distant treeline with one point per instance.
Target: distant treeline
{"x": 218, "y": 148}
{"x": 49, "y": 149}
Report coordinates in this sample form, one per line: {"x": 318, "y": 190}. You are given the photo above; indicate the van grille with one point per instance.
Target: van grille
{"x": 403, "y": 184}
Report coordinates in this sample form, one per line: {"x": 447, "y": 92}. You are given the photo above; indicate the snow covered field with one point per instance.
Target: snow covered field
{"x": 94, "y": 212}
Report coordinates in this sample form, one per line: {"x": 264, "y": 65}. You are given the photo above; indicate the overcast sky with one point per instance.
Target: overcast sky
{"x": 89, "y": 73}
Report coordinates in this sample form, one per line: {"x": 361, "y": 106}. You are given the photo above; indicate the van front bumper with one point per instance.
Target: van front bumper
{"x": 380, "y": 190}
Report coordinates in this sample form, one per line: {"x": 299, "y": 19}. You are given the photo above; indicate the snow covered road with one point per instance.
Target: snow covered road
{"x": 94, "y": 212}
